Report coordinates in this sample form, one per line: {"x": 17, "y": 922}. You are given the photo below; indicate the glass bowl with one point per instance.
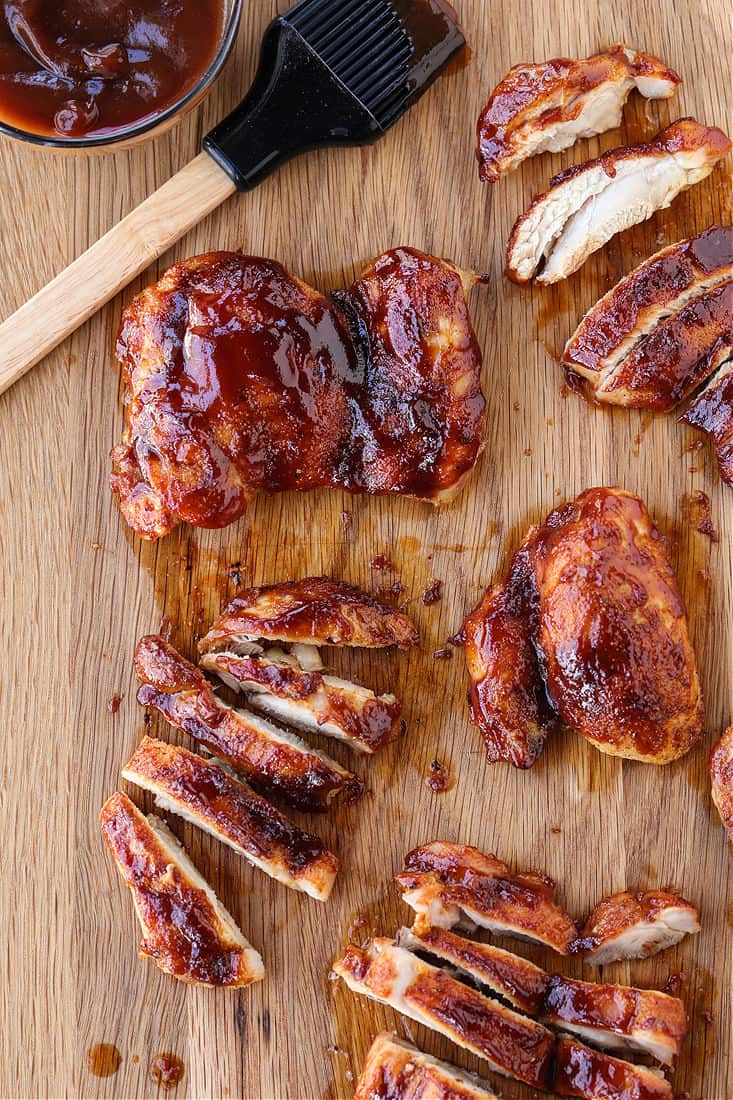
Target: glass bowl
{"x": 129, "y": 135}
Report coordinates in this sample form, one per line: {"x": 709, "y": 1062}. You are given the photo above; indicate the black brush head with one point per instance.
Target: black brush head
{"x": 333, "y": 72}
{"x": 365, "y": 44}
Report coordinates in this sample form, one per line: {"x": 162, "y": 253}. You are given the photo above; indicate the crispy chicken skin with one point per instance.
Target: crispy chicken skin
{"x": 512, "y": 1044}
{"x": 315, "y": 611}
{"x": 187, "y": 931}
{"x": 658, "y": 288}
{"x": 209, "y": 796}
{"x": 721, "y": 773}
{"x": 273, "y": 760}
{"x": 548, "y": 106}
{"x": 310, "y": 700}
{"x": 604, "y": 616}
{"x": 617, "y": 1018}
{"x": 712, "y": 412}
{"x": 632, "y": 925}
{"x": 241, "y": 379}
{"x": 451, "y": 885}
{"x": 509, "y": 976}
{"x": 507, "y": 697}
{"x": 587, "y": 204}
{"x": 593, "y": 1075}
{"x": 683, "y": 351}
{"x": 613, "y": 638}
{"x": 396, "y": 1070}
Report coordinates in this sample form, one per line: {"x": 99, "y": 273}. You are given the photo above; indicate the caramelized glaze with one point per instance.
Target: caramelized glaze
{"x": 315, "y": 610}
{"x": 205, "y": 792}
{"x": 184, "y": 933}
{"x": 721, "y": 774}
{"x": 241, "y": 380}
{"x": 183, "y": 695}
{"x": 580, "y": 1071}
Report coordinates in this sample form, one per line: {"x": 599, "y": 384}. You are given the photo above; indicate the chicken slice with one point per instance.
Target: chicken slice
{"x": 580, "y": 1071}
{"x": 549, "y": 106}
{"x": 207, "y": 795}
{"x": 613, "y": 639}
{"x": 507, "y": 697}
{"x": 721, "y": 773}
{"x": 310, "y": 700}
{"x": 617, "y": 1017}
{"x": 635, "y": 925}
{"x": 589, "y": 203}
{"x": 454, "y": 885}
{"x": 396, "y": 1070}
{"x": 712, "y": 412}
{"x": 271, "y": 758}
{"x": 659, "y": 287}
{"x": 517, "y": 980}
{"x": 315, "y": 611}
{"x": 680, "y": 353}
{"x": 511, "y": 1044}
{"x": 187, "y": 931}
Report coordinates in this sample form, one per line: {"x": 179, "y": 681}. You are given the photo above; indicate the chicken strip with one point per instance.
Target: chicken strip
{"x": 683, "y": 351}
{"x": 587, "y": 204}
{"x": 187, "y": 931}
{"x": 396, "y": 1070}
{"x": 315, "y": 611}
{"x": 511, "y": 1044}
{"x": 272, "y": 759}
{"x": 580, "y": 1071}
{"x": 617, "y": 1018}
{"x": 240, "y": 379}
{"x": 310, "y": 700}
{"x": 658, "y": 288}
{"x": 712, "y": 412}
{"x": 549, "y": 106}
{"x": 454, "y": 885}
{"x": 635, "y": 925}
{"x": 207, "y": 795}
{"x": 509, "y": 976}
{"x": 721, "y": 773}
{"x": 507, "y": 697}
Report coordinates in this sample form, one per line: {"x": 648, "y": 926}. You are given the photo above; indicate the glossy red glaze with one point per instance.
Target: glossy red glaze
{"x": 614, "y": 1008}
{"x": 507, "y": 696}
{"x": 374, "y": 724}
{"x": 712, "y": 412}
{"x": 679, "y": 354}
{"x": 186, "y": 699}
{"x": 242, "y": 380}
{"x": 314, "y": 610}
{"x": 183, "y": 931}
{"x": 648, "y": 291}
{"x": 540, "y": 96}
{"x": 82, "y": 69}
{"x": 519, "y": 1045}
{"x": 580, "y": 1071}
{"x": 209, "y": 793}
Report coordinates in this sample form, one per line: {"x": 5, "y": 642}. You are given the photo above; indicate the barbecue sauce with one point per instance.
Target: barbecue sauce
{"x": 84, "y": 69}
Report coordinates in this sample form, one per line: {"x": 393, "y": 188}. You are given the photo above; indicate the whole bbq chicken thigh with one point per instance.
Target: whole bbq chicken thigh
{"x": 241, "y": 379}
{"x": 604, "y": 641}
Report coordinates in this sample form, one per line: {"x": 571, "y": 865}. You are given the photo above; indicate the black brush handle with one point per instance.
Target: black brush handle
{"x": 295, "y": 104}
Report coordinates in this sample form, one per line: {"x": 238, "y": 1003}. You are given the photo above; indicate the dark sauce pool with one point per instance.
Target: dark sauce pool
{"x": 85, "y": 69}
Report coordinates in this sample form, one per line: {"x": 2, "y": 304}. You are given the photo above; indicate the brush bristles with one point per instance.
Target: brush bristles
{"x": 364, "y": 42}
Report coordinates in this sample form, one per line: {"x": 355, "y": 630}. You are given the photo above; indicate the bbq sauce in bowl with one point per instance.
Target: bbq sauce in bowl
{"x": 91, "y": 71}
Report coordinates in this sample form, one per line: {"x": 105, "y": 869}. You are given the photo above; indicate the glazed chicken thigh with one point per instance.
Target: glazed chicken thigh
{"x": 593, "y": 599}
{"x": 241, "y": 379}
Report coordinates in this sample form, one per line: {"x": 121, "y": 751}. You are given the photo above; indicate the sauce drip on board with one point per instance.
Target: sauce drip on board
{"x": 87, "y": 68}
{"x": 167, "y": 1070}
{"x": 103, "y": 1059}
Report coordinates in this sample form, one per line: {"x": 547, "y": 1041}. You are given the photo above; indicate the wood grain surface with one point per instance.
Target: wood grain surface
{"x": 77, "y": 591}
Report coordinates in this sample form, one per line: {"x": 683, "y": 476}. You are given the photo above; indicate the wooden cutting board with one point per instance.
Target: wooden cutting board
{"x": 78, "y": 591}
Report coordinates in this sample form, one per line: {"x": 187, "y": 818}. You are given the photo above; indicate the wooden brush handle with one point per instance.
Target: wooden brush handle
{"x": 109, "y": 265}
